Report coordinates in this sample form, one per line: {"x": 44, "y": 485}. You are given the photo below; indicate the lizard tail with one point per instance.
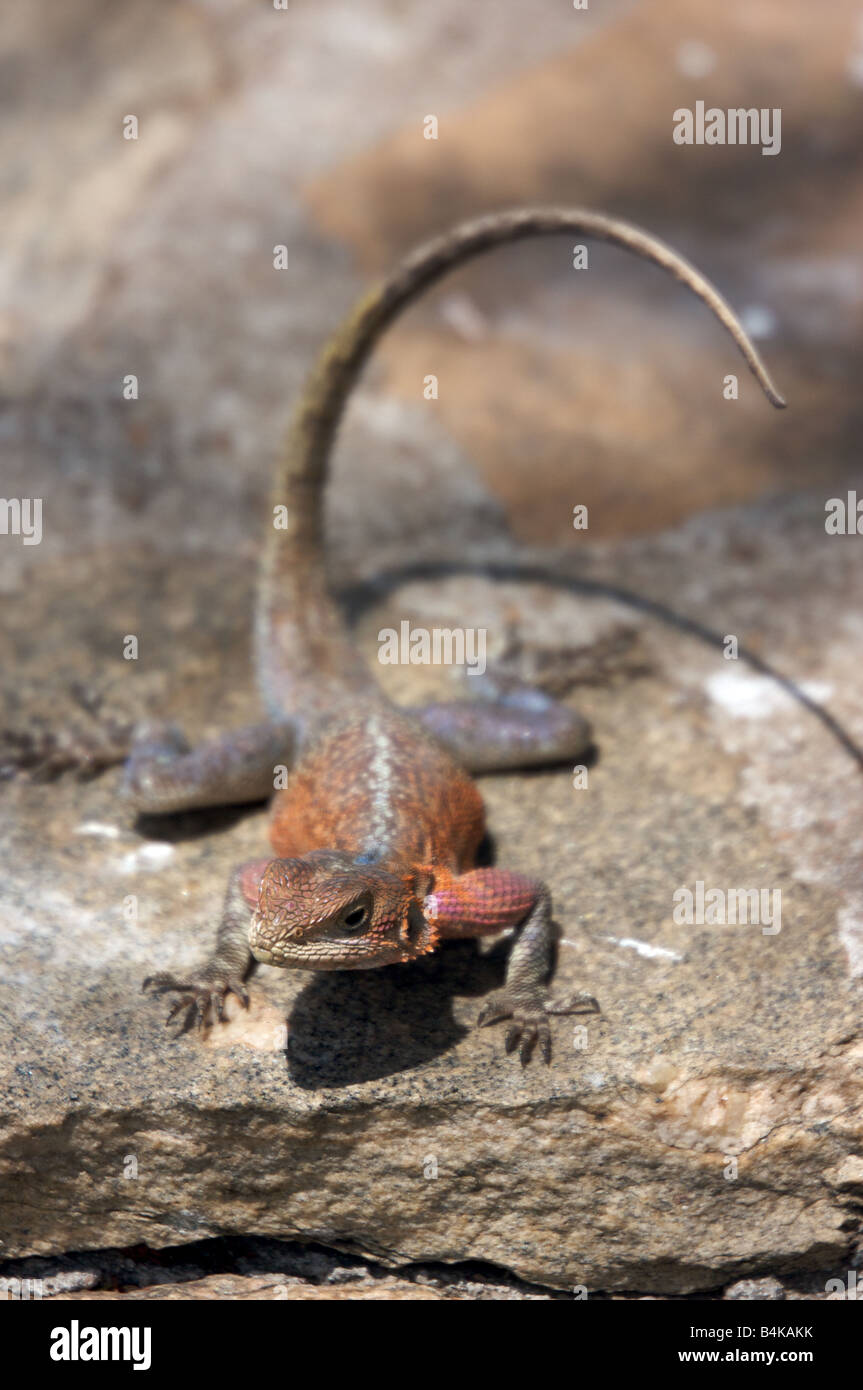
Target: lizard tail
{"x": 305, "y": 657}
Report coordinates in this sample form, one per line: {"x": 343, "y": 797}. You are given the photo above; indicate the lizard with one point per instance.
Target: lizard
{"x": 375, "y": 836}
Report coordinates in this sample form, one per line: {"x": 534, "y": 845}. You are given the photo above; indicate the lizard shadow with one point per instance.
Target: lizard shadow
{"x": 361, "y": 1025}
{"x": 351, "y": 1026}
{"x": 177, "y": 826}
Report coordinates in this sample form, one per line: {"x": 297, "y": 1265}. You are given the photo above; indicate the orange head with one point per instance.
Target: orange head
{"x": 332, "y": 911}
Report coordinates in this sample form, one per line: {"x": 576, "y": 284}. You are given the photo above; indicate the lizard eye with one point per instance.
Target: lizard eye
{"x": 355, "y": 917}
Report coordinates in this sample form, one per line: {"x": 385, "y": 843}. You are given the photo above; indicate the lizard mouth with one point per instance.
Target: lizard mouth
{"x": 290, "y": 952}
{"x": 257, "y": 947}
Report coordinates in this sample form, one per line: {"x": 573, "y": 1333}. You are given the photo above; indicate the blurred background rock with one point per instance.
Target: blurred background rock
{"x": 304, "y": 127}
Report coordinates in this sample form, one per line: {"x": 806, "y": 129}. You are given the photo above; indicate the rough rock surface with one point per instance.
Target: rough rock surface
{"x": 709, "y": 1127}
{"x": 261, "y": 1288}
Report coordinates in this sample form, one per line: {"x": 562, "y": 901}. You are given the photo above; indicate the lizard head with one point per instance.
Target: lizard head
{"x": 331, "y": 911}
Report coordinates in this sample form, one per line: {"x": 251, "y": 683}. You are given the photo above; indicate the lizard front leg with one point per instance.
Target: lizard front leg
{"x": 163, "y": 775}
{"x": 485, "y": 901}
{"x": 204, "y": 991}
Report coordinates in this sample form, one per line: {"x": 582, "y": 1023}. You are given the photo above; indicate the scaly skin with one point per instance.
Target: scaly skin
{"x": 376, "y": 835}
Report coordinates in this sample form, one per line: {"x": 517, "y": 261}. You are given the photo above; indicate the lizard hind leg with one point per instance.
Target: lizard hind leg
{"x": 523, "y": 727}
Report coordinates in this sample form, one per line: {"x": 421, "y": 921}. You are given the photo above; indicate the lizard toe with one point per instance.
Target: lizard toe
{"x": 580, "y": 1003}
{"x": 186, "y": 1002}
{"x": 219, "y": 995}
{"x": 528, "y": 1028}
{"x": 161, "y": 983}
{"x": 496, "y": 1007}
{"x": 203, "y": 1000}
{"x": 526, "y": 1032}
{"x": 235, "y": 987}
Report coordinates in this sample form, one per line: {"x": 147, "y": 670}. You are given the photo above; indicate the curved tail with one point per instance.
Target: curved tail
{"x": 306, "y": 661}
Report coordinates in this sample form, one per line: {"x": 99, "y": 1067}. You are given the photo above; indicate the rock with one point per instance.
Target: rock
{"x": 693, "y": 1131}
{"x": 848, "y": 1177}
{"x": 708, "y": 1127}
{"x": 750, "y": 1289}
{"x": 262, "y": 1288}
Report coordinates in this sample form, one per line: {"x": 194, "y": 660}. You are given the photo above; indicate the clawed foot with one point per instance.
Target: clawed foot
{"x": 153, "y": 756}
{"x": 529, "y": 1019}
{"x": 203, "y": 999}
